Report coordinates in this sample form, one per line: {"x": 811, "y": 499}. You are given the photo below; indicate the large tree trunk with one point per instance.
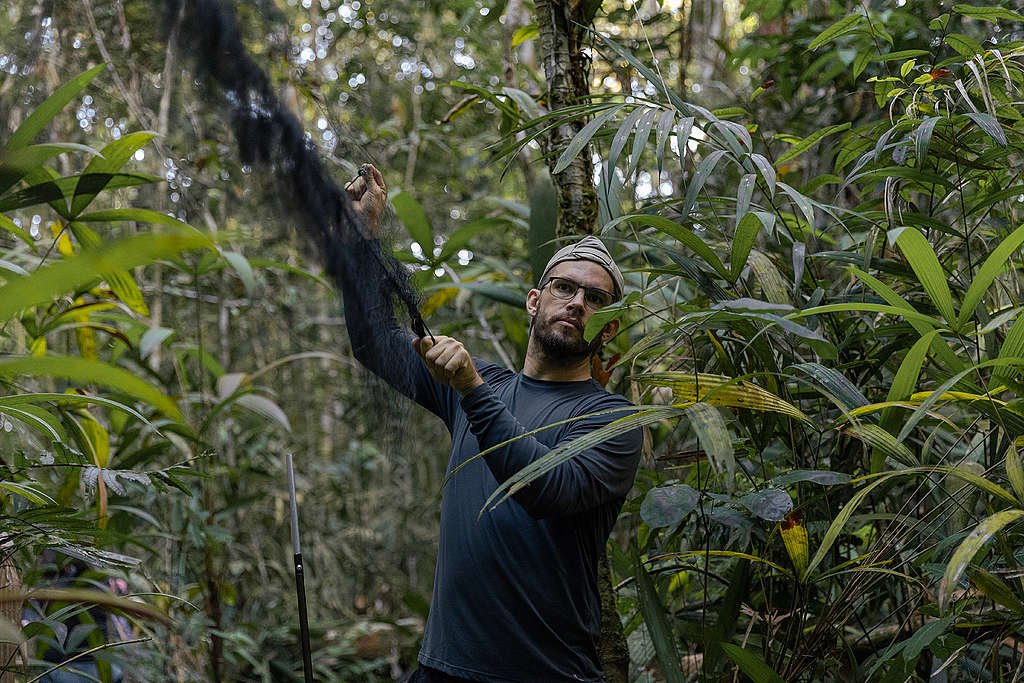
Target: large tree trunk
{"x": 563, "y": 27}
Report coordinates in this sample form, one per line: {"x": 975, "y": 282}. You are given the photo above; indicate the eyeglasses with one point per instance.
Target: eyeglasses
{"x": 564, "y": 288}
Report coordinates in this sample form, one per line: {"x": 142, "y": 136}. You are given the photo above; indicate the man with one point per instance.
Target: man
{"x": 515, "y": 589}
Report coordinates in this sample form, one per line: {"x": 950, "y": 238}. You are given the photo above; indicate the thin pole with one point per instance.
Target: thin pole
{"x": 300, "y": 584}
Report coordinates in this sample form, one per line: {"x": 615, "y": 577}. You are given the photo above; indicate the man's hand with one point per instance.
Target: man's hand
{"x": 449, "y": 362}
{"x": 369, "y": 195}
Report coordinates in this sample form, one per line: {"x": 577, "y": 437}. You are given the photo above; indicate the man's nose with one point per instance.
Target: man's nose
{"x": 578, "y": 299}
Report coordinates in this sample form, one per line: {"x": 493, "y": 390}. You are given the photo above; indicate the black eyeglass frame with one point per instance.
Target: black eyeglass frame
{"x": 587, "y": 292}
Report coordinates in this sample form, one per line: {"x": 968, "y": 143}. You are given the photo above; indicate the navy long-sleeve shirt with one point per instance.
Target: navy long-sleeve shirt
{"x": 515, "y": 589}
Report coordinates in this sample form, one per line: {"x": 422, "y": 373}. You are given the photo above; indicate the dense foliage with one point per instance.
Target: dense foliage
{"x": 819, "y": 206}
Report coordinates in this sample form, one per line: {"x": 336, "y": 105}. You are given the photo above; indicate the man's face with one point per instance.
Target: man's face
{"x": 558, "y": 323}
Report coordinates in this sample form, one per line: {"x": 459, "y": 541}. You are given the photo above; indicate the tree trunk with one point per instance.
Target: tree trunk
{"x": 10, "y": 615}
{"x": 563, "y": 26}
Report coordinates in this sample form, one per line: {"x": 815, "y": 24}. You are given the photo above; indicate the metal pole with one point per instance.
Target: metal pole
{"x": 300, "y": 584}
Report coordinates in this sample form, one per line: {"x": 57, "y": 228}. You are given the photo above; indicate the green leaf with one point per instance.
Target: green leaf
{"x": 121, "y": 282}
{"x": 45, "y": 112}
{"x": 926, "y": 266}
{"x": 993, "y": 266}
{"x": 1015, "y": 471}
{"x": 114, "y": 156}
{"x": 970, "y": 547}
{"x": 50, "y": 190}
{"x": 923, "y": 138}
{"x": 714, "y": 438}
{"x": 664, "y": 128}
{"x": 265, "y": 407}
{"x": 622, "y": 135}
{"x": 882, "y": 442}
{"x": 751, "y": 664}
{"x": 415, "y": 220}
{"x": 990, "y": 125}
{"x": 744, "y": 193}
{"x": 839, "y": 28}
{"x": 27, "y": 492}
{"x": 696, "y": 244}
{"x": 834, "y": 385}
{"x": 658, "y": 626}
{"x": 771, "y": 504}
{"x": 987, "y": 13}
{"x": 667, "y": 506}
{"x": 82, "y": 371}
{"x": 68, "y": 274}
{"x": 995, "y": 589}
{"x": 580, "y": 140}
{"x": 15, "y": 165}
{"x": 810, "y": 141}
{"x": 705, "y": 169}
{"x": 525, "y": 33}
{"x": 640, "y": 138}
{"x": 243, "y": 269}
{"x": 964, "y": 45}
{"x": 461, "y": 237}
{"x": 743, "y": 242}
{"x": 528, "y": 107}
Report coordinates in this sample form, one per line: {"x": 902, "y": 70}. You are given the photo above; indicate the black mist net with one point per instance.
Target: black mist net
{"x": 268, "y": 133}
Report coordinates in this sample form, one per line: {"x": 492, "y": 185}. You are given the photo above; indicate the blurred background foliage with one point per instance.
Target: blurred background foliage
{"x": 818, "y": 205}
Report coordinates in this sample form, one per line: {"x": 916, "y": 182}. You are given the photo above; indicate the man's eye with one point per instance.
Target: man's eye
{"x": 563, "y": 288}
{"x": 597, "y": 299}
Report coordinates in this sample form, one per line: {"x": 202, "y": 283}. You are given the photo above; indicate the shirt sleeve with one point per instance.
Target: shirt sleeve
{"x": 598, "y": 475}
{"x": 378, "y": 342}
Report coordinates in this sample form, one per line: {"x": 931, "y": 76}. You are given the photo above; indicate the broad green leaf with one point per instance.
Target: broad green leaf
{"x": 822, "y": 477}
{"x": 45, "y": 112}
{"x": 667, "y": 506}
{"x": 10, "y": 226}
{"x": 114, "y": 156}
{"x": 767, "y": 172}
{"x": 910, "y": 649}
{"x": 461, "y": 237}
{"x": 964, "y": 45}
{"x": 40, "y": 420}
{"x": 900, "y": 55}
{"x": 993, "y": 266}
{"x": 744, "y": 193}
{"x": 46, "y": 187}
{"x": 839, "y": 523}
{"x": 524, "y": 33}
{"x": 658, "y": 626}
{"x": 86, "y": 372}
{"x": 988, "y": 13}
{"x": 903, "y": 385}
{"x": 751, "y": 664}
{"x": 909, "y": 315}
{"x": 837, "y": 29}
{"x": 923, "y": 138}
{"x": 48, "y": 283}
{"x": 801, "y": 201}
{"x": 773, "y": 285}
{"x": 664, "y": 128}
{"x": 121, "y": 282}
{"x": 528, "y": 107}
{"x": 640, "y": 138}
{"x": 970, "y": 547}
{"x": 810, "y": 141}
{"x": 580, "y": 140}
{"x": 705, "y": 169}
{"x": 15, "y": 165}
{"x": 769, "y": 503}
{"x": 833, "y": 384}
{"x": 243, "y": 269}
{"x": 415, "y": 220}
{"x": 152, "y": 339}
{"x": 77, "y": 400}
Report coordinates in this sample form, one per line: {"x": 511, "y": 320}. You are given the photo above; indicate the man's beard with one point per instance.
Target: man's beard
{"x": 563, "y": 349}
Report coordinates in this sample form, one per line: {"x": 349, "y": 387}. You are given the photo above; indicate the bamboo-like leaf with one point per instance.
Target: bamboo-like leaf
{"x": 47, "y": 283}
{"x": 743, "y": 242}
{"x": 734, "y": 554}
{"x": 926, "y": 266}
{"x": 1015, "y": 471}
{"x": 658, "y": 626}
{"x": 243, "y": 269}
{"x": 51, "y": 106}
{"x": 810, "y": 141}
{"x": 773, "y": 285}
{"x": 837, "y": 29}
{"x": 263, "y": 406}
{"x": 680, "y": 233}
{"x": 640, "y": 138}
{"x": 705, "y": 169}
{"x": 38, "y": 419}
{"x": 989, "y": 124}
{"x": 622, "y": 135}
{"x": 801, "y": 201}
{"x": 15, "y": 165}
{"x": 909, "y": 315}
{"x": 83, "y": 371}
{"x": 833, "y": 385}
{"x": 87, "y": 596}
{"x": 882, "y": 442}
{"x": 113, "y": 157}
{"x": 567, "y": 451}
{"x": 964, "y": 45}
{"x": 744, "y": 192}
{"x": 923, "y": 138}
{"x": 664, "y": 128}
{"x": 751, "y": 664}
{"x": 720, "y": 390}
{"x": 995, "y": 589}
{"x": 970, "y": 547}
{"x": 839, "y": 523}
{"x": 767, "y": 172}
{"x": 993, "y": 266}
{"x": 462, "y": 237}
{"x": 581, "y": 139}
{"x": 714, "y": 438}
{"x": 48, "y": 188}
{"x": 683, "y": 130}
{"x": 121, "y": 282}
{"x": 78, "y": 400}
{"x": 525, "y": 33}
{"x": 28, "y": 492}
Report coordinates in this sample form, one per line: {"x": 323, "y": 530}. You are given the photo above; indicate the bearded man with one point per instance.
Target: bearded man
{"x": 515, "y": 589}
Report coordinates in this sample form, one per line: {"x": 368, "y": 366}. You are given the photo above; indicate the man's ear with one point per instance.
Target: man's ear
{"x": 532, "y": 302}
